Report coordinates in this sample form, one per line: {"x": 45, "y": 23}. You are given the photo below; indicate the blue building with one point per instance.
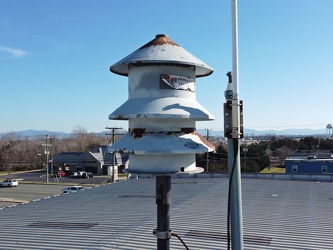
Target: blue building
{"x": 310, "y": 166}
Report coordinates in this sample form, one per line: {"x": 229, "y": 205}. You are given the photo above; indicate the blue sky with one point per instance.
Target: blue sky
{"x": 55, "y": 58}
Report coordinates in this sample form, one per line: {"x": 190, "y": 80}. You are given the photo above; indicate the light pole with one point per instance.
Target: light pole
{"x": 47, "y": 152}
{"x": 114, "y": 152}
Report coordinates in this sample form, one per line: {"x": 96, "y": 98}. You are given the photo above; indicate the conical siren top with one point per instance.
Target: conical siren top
{"x": 161, "y": 50}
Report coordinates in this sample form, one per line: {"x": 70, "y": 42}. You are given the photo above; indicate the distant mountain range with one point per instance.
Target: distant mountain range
{"x": 37, "y": 133}
{"x": 285, "y": 132}
{"x": 217, "y": 133}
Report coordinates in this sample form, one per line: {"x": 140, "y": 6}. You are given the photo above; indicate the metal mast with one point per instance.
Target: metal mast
{"x": 233, "y": 131}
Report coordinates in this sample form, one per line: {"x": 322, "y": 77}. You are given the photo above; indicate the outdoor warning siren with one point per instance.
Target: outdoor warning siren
{"x": 161, "y": 109}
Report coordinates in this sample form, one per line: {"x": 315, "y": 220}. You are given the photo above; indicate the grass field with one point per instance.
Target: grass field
{"x": 273, "y": 171}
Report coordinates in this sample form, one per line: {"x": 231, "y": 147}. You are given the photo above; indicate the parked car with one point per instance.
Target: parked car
{"x": 87, "y": 175}
{"x": 9, "y": 183}
{"x": 72, "y": 189}
{"x": 82, "y": 174}
{"x": 60, "y": 173}
{"x": 75, "y": 175}
{"x": 79, "y": 174}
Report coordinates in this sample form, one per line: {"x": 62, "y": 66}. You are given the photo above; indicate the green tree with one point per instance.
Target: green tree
{"x": 257, "y": 157}
{"x": 308, "y": 143}
{"x": 326, "y": 144}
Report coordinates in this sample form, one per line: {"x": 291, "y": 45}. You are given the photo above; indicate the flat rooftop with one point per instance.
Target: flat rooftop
{"x": 277, "y": 214}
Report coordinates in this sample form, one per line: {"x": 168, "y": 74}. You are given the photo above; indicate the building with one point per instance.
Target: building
{"x": 309, "y": 165}
{"x": 277, "y": 215}
{"x": 97, "y": 160}
{"x": 66, "y": 161}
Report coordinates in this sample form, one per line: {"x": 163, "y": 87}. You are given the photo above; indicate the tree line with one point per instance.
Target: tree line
{"x": 254, "y": 159}
{"x": 301, "y": 144}
{"x": 267, "y": 152}
{"x": 29, "y": 153}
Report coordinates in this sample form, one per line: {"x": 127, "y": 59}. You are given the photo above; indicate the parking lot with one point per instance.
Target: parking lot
{"x": 33, "y": 185}
{"x": 40, "y": 177}
{"x": 27, "y": 192}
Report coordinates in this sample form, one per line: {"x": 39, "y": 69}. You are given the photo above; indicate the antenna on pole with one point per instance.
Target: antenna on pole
{"x": 233, "y": 130}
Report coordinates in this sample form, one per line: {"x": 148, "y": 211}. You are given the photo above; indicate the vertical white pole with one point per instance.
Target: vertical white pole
{"x": 233, "y": 145}
{"x": 234, "y": 16}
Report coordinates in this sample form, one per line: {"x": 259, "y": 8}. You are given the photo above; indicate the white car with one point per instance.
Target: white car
{"x": 72, "y": 189}
{"x": 9, "y": 183}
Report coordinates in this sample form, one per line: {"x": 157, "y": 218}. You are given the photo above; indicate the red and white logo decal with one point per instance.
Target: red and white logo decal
{"x": 177, "y": 82}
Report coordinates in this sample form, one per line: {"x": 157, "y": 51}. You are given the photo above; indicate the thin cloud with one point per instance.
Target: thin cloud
{"x": 6, "y": 52}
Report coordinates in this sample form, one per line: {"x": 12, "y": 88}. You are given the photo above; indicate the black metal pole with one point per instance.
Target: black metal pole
{"x": 163, "y": 201}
